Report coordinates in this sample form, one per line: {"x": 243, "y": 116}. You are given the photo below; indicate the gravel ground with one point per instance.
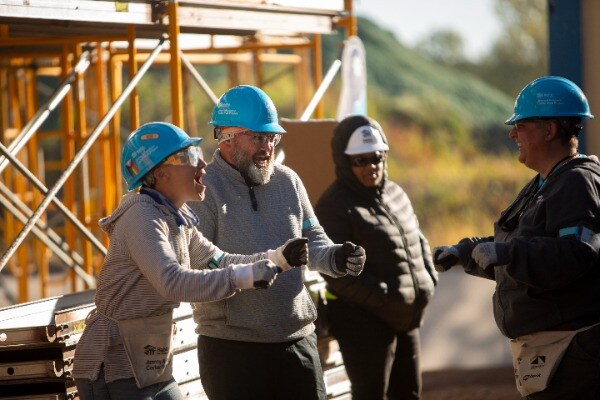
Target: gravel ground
{"x": 470, "y": 384}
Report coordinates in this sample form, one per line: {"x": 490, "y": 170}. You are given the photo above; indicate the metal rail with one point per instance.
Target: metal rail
{"x": 198, "y": 78}
{"x": 321, "y": 90}
{"x": 44, "y": 111}
{"x": 40, "y": 186}
{"x": 70, "y": 260}
{"x": 81, "y": 154}
{"x": 23, "y": 213}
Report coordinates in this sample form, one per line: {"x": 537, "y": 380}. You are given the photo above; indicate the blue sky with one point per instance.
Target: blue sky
{"x": 412, "y": 20}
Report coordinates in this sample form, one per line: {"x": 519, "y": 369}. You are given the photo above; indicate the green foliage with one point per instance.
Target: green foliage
{"x": 449, "y": 147}
{"x": 517, "y": 57}
{"x": 445, "y": 128}
{"x": 451, "y": 106}
{"x": 454, "y": 195}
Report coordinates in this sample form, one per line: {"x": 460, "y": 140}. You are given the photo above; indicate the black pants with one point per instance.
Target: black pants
{"x": 232, "y": 370}
{"x": 578, "y": 375}
{"x": 379, "y": 361}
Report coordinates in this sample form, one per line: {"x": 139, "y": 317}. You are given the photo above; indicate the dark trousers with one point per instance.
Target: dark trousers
{"x": 578, "y": 375}
{"x": 232, "y": 370}
{"x": 379, "y": 361}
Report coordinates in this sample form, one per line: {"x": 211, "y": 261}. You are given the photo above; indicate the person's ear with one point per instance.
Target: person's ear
{"x": 161, "y": 173}
{"x": 552, "y": 130}
{"x": 226, "y": 148}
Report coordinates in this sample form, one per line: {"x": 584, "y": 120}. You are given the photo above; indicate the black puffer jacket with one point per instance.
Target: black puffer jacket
{"x": 398, "y": 279}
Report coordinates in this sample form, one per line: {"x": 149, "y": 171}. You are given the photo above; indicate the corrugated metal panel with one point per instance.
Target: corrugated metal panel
{"x": 37, "y": 346}
{"x": 111, "y": 18}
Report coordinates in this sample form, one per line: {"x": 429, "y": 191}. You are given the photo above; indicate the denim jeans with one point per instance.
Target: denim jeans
{"x": 126, "y": 389}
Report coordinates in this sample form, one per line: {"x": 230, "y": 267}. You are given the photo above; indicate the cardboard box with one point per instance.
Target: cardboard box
{"x": 307, "y": 150}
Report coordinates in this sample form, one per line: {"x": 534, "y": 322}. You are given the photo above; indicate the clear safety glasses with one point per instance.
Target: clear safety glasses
{"x": 256, "y": 138}
{"x": 188, "y": 156}
{"x": 362, "y": 161}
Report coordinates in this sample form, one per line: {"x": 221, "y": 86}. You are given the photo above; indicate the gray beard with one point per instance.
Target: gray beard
{"x": 244, "y": 164}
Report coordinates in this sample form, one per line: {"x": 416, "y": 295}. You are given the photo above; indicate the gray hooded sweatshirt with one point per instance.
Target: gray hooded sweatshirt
{"x": 154, "y": 261}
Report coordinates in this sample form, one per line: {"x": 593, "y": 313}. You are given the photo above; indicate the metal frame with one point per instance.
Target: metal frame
{"x": 88, "y": 42}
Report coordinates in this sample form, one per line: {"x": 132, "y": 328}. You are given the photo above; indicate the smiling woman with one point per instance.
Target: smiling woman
{"x": 544, "y": 246}
{"x": 376, "y": 316}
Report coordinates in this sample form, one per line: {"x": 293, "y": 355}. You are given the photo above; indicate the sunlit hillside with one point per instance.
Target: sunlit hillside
{"x": 449, "y": 145}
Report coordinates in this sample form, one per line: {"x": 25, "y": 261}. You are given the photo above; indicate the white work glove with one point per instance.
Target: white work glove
{"x": 349, "y": 259}
{"x": 485, "y": 255}
{"x": 292, "y": 253}
{"x": 258, "y": 275}
{"x": 446, "y": 257}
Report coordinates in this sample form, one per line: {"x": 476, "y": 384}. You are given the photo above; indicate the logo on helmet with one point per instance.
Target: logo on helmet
{"x": 368, "y": 137}
{"x": 149, "y": 136}
{"x": 132, "y": 168}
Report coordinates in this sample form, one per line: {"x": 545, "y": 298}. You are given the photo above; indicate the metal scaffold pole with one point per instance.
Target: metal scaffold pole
{"x": 80, "y": 154}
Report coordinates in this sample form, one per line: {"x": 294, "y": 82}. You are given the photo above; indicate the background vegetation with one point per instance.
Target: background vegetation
{"x": 443, "y": 113}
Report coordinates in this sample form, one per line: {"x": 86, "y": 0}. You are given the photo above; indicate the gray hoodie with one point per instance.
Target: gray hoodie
{"x": 154, "y": 261}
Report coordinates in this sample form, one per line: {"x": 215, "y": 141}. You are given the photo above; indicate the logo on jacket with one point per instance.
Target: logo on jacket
{"x": 531, "y": 376}
{"x": 150, "y": 350}
{"x": 538, "y": 360}
{"x": 539, "y": 199}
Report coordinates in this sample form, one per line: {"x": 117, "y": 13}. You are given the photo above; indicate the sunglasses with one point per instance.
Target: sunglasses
{"x": 188, "y": 156}
{"x": 362, "y": 161}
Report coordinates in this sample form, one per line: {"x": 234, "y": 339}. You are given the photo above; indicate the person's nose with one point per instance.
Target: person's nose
{"x": 512, "y": 133}
{"x": 201, "y": 165}
{"x": 268, "y": 143}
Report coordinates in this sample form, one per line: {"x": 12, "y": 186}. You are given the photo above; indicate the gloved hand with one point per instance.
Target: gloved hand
{"x": 445, "y": 257}
{"x": 258, "y": 275}
{"x": 349, "y": 259}
{"x": 485, "y": 255}
{"x": 292, "y": 253}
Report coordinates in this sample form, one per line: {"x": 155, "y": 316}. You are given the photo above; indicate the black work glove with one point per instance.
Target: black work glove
{"x": 349, "y": 259}
{"x": 296, "y": 252}
{"x": 446, "y": 257}
{"x": 292, "y": 253}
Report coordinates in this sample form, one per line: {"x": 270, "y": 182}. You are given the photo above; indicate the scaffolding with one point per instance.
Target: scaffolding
{"x": 59, "y": 162}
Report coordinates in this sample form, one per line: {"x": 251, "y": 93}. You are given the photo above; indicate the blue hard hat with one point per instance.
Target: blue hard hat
{"x": 247, "y": 107}
{"x": 550, "y": 96}
{"x": 148, "y": 146}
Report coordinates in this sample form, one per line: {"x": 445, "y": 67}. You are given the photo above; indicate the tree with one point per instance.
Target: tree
{"x": 520, "y": 54}
{"x": 444, "y": 46}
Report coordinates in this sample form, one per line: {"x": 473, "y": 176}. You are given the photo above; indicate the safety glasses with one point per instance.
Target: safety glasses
{"x": 362, "y": 161}
{"x": 255, "y": 137}
{"x": 261, "y": 138}
{"x": 188, "y": 156}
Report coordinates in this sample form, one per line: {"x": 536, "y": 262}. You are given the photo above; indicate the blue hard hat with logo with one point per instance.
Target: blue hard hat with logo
{"x": 247, "y": 107}
{"x": 150, "y": 145}
{"x": 550, "y": 96}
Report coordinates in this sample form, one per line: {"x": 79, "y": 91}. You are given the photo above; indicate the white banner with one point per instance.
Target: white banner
{"x": 353, "y": 96}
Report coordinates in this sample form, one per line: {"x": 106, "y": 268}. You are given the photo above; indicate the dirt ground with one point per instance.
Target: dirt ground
{"x": 470, "y": 384}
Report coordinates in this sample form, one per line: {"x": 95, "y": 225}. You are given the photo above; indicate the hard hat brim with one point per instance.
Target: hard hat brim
{"x": 268, "y": 128}
{"x": 517, "y": 117}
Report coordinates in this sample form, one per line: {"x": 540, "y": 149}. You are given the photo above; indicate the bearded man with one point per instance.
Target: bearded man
{"x": 261, "y": 346}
